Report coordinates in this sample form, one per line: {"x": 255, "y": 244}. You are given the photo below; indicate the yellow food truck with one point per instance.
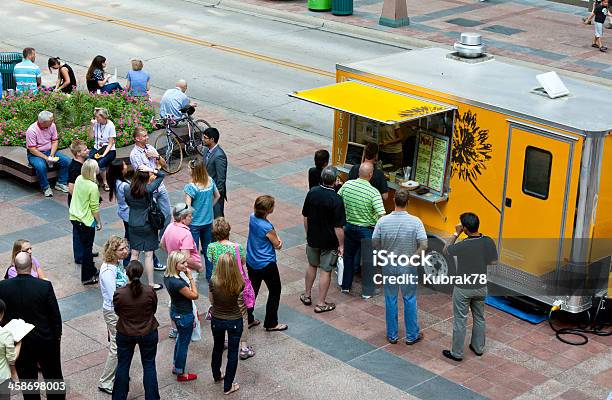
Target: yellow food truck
{"x": 481, "y": 135}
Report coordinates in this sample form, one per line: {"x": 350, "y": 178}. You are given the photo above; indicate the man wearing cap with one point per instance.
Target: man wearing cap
{"x": 216, "y": 166}
{"x": 177, "y": 236}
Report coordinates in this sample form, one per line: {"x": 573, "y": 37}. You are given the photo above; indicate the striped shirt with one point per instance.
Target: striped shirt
{"x": 26, "y": 73}
{"x": 362, "y": 202}
{"x": 399, "y": 232}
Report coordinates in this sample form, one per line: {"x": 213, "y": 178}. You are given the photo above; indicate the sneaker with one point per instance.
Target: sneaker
{"x": 347, "y": 291}
{"x": 392, "y": 341}
{"x": 48, "y": 192}
{"x": 159, "y": 267}
{"x": 417, "y": 340}
{"x": 173, "y": 333}
{"x": 60, "y": 187}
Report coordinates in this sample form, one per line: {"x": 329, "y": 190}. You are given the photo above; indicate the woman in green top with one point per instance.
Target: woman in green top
{"x": 85, "y": 217}
{"x": 221, "y": 232}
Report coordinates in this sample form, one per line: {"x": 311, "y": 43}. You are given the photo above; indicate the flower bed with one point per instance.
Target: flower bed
{"x": 73, "y": 114}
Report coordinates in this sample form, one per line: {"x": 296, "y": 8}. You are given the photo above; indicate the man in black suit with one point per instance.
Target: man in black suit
{"x": 216, "y": 165}
{"x": 33, "y": 300}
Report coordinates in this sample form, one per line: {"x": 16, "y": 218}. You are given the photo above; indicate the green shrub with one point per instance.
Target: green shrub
{"x": 73, "y": 114}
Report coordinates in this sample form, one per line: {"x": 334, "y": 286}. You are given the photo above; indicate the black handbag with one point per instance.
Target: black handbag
{"x": 155, "y": 216}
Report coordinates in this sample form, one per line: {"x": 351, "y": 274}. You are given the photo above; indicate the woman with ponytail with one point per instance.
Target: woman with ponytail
{"x": 135, "y": 306}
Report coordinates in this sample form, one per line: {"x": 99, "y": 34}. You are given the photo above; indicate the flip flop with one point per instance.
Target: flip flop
{"x": 306, "y": 300}
{"x": 278, "y": 328}
{"x": 594, "y": 45}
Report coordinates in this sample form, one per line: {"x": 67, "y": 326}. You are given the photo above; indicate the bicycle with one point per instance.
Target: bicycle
{"x": 168, "y": 145}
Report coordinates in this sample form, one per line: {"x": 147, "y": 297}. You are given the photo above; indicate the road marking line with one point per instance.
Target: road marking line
{"x": 181, "y": 37}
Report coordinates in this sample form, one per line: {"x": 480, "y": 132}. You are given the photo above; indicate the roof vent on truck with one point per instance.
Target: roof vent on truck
{"x": 469, "y": 49}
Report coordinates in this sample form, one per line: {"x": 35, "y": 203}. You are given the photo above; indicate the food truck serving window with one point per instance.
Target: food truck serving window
{"x": 536, "y": 175}
{"x": 413, "y": 135}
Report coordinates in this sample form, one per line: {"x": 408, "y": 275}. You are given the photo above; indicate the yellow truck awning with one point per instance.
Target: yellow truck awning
{"x": 370, "y": 102}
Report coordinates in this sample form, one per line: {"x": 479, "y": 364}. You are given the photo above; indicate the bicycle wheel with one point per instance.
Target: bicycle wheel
{"x": 197, "y": 130}
{"x": 169, "y": 147}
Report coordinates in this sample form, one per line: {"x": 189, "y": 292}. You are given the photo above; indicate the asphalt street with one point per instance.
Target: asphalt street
{"x": 233, "y": 60}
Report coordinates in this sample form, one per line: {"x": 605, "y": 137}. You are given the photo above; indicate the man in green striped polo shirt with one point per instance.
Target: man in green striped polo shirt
{"x": 364, "y": 206}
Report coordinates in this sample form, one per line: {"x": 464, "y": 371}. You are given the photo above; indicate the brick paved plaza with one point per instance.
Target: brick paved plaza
{"x": 340, "y": 354}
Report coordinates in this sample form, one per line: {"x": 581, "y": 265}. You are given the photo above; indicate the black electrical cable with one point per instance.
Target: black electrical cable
{"x": 581, "y": 331}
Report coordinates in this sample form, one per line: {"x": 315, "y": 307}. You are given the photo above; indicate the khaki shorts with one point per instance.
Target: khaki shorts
{"x": 324, "y": 259}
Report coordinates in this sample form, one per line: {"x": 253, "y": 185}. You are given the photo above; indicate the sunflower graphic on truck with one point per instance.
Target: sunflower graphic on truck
{"x": 471, "y": 151}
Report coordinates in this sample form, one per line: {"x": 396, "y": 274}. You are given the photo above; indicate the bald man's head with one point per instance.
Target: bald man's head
{"x": 182, "y": 84}
{"x": 23, "y": 263}
{"x": 366, "y": 170}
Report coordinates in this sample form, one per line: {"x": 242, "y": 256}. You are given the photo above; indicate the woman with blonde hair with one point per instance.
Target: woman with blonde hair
{"x": 25, "y": 246}
{"x": 102, "y": 131}
{"x": 226, "y": 296}
{"x": 201, "y": 194}
{"x": 85, "y": 217}
{"x": 221, "y": 232}
{"x": 182, "y": 295}
{"x": 112, "y": 276}
{"x": 138, "y": 80}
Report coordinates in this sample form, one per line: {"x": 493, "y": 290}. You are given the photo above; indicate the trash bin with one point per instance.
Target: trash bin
{"x": 319, "y": 5}
{"x": 342, "y": 7}
{"x": 7, "y": 65}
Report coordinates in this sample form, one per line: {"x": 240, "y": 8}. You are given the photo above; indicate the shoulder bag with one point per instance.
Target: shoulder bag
{"x": 155, "y": 216}
{"x": 248, "y": 294}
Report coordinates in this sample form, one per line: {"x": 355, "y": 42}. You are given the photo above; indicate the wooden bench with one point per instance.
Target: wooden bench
{"x": 14, "y": 159}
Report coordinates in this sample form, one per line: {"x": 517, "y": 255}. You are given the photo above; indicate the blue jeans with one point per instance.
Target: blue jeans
{"x": 184, "y": 326}
{"x": 77, "y": 247}
{"x": 234, "y": 328}
{"x": 125, "y": 352}
{"x": 111, "y": 87}
{"x": 40, "y": 166}
{"x": 202, "y": 236}
{"x": 410, "y": 303}
{"x": 86, "y": 235}
{"x": 354, "y": 236}
{"x": 104, "y": 161}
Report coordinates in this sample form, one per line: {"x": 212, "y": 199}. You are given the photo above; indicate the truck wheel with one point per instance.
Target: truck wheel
{"x": 442, "y": 265}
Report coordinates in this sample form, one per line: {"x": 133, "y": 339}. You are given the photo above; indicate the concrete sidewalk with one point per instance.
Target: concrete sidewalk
{"x": 535, "y": 31}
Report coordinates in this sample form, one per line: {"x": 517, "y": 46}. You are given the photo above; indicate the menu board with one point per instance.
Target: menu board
{"x": 432, "y": 153}
{"x": 423, "y": 160}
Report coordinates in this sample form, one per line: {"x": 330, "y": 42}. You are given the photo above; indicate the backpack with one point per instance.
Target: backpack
{"x": 155, "y": 216}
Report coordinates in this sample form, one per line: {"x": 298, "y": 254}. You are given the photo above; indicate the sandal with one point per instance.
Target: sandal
{"x": 254, "y": 323}
{"x": 325, "y": 308}
{"x": 106, "y": 187}
{"x": 247, "y": 353}
{"x": 306, "y": 300}
{"x": 234, "y": 388}
{"x": 278, "y": 328}
{"x": 594, "y": 45}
